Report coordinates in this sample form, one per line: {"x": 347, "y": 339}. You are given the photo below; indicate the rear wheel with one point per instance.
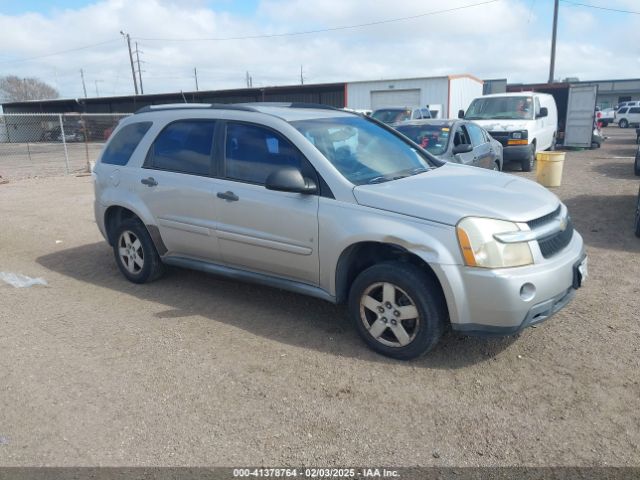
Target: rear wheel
{"x": 397, "y": 309}
{"x": 623, "y": 123}
{"x": 135, "y": 252}
{"x": 527, "y": 163}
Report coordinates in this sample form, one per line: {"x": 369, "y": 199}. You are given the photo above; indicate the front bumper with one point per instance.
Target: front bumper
{"x": 488, "y": 302}
{"x": 517, "y": 153}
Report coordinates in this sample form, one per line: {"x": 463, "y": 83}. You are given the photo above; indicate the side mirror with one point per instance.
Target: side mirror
{"x": 543, "y": 112}
{"x": 290, "y": 179}
{"x": 462, "y": 148}
{"x": 460, "y": 113}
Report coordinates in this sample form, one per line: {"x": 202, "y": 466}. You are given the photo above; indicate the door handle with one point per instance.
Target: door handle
{"x": 228, "y": 195}
{"x": 149, "y": 182}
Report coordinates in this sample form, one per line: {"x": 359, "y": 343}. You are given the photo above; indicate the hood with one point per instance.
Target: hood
{"x": 452, "y": 192}
{"x": 503, "y": 125}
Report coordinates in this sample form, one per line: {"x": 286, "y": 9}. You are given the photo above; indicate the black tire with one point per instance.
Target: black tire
{"x": 552, "y": 148}
{"x": 152, "y": 267}
{"x": 636, "y": 163}
{"x": 496, "y": 166}
{"x": 528, "y": 163}
{"x": 623, "y": 123}
{"x": 412, "y": 287}
{"x": 638, "y": 216}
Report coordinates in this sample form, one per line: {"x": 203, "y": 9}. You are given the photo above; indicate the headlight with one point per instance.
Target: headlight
{"x": 481, "y": 249}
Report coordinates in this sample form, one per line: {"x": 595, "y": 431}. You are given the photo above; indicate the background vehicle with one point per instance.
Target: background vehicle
{"x": 606, "y": 116}
{"x": 264, "y": 192}
{"x": 400, "y": 114}
{"x": 524, "y": 123}
{"x": 627, "y": 116}
{"x": 636, "y": 163}
{"x": 455, "y": 141}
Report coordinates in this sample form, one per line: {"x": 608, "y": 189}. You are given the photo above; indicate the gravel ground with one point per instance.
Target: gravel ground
{"x": 197, "y": 370}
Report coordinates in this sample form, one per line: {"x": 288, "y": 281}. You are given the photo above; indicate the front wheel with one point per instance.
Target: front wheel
{"x": 527, "y": 163}
{"x": 623, "y": 123}
{"x": 397, "y": 309}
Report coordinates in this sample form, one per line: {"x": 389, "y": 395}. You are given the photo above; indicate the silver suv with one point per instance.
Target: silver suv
{"x": 341, "y": 207}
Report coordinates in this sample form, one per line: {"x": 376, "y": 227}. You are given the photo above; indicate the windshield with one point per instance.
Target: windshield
{"x": 362, "y": 151}
{"x": 433, "y": 138}
{"x": 392, "y": 115}
{"x": 496, "y": 108}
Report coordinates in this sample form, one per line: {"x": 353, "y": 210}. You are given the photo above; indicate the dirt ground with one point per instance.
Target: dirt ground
{"x": 197, "y": 370}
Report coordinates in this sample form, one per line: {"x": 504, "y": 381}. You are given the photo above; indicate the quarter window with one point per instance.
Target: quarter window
{"x": 124, "y": 142}
{"x": 184, "y": 146}
{"x": 252, "y": 153}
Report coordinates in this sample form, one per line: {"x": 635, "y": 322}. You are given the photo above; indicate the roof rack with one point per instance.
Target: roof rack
{"x": 320, "y": 106}
{"x": 196, "y": 106}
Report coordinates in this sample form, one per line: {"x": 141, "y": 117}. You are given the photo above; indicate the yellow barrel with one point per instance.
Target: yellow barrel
{"x": 549, "y": 168}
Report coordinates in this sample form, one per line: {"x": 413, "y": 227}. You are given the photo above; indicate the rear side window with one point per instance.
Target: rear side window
{"x": 634, "y": 110}
{"x": 184, "y": 147}
{"x": 124, "y": 142}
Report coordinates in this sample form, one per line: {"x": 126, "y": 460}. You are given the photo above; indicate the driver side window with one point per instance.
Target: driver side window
{"x": 461, "y": 137}
{"x": 253, "y": 152}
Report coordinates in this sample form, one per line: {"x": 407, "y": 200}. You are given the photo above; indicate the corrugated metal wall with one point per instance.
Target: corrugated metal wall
{"x": 462, "y": 90}
{"x": 433, "y": 91}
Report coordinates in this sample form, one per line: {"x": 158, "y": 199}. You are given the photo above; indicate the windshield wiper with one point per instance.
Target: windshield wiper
{"x": 380, "y": 179}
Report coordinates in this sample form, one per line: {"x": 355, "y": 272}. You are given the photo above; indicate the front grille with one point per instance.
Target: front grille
{"x": 502, "y": 137}
{"x": 538, "y": 222}
{"x": 552, "y": 244}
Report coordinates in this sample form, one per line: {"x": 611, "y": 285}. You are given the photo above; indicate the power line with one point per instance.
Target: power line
{"x": 333, "y": 29}
{"x": 599, "y": 7}
{"x": 58, "y": 53}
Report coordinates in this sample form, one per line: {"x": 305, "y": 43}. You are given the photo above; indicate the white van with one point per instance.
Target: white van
{"x": 524, "y": 123}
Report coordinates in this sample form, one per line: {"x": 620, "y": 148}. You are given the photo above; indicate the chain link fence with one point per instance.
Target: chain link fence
{"x": 40, "y": 145}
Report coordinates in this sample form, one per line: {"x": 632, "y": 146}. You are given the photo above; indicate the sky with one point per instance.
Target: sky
{"x": 53, "y": 40}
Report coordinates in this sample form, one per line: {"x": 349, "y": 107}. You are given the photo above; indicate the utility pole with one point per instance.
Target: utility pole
{"x": 84, "y": 87}
{"x": 133, "y": 70}
{"x": 96, "y": 84}
{"x": 195, "y": 74}
{"x": 301, "y": 77}
{"x": 139, "y": 71}
{"x": 552, "y": 66}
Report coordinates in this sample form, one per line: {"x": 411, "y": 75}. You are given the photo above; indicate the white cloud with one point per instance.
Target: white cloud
{"x": 501, "y": 39}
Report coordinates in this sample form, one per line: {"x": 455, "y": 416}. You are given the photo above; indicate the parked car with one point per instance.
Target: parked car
{"x": 606, "y": 116}
{"x": 455, "y": 141}
{"x": 400, "y": 114}
{"x": 627, "y": 116}
{"x": 337, "y": 206}
{"x": 634, "y": 103}
{"x": 524, "y": 123}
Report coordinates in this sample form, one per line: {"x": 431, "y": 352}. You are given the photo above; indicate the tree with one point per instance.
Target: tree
{"x": 15, "y": 89}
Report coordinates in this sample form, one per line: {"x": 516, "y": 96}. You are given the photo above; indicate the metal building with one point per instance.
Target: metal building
{"x": 446, "y": 94}
{"x": 328, "y": 93}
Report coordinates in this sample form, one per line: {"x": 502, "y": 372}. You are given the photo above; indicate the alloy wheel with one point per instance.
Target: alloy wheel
{"x": 389, "y": 314}
{"x": 130, "y": 252}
